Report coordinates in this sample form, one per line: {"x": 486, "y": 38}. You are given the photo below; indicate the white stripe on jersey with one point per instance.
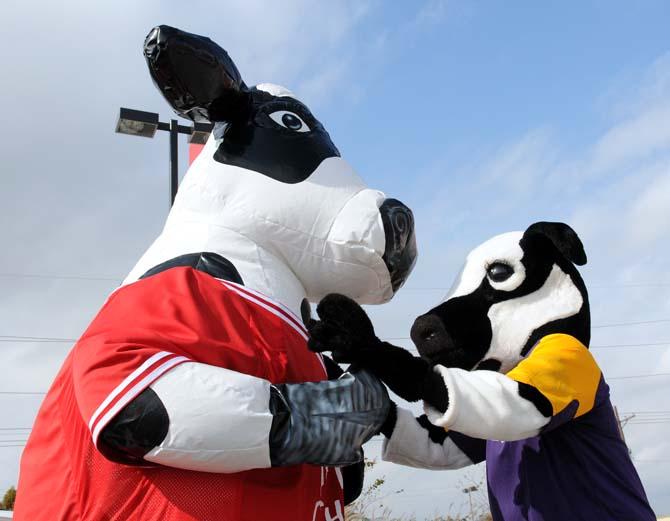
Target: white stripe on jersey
{"x": 126, "y": 381}
{"x": 133, "y": 392}
{"x": 271, "y": 305}
{"x": 268, "y": 307}
{"x": 292, "y": 316}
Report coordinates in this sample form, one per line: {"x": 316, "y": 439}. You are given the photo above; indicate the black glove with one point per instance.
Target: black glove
{"x": 346, "y": 330}
{"x": 353, "y": 475}
{"x": 327, "y": 422}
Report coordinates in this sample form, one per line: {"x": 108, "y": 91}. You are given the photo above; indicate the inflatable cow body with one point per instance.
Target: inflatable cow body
{"x": 192, "y": 395}
{"x": 506, "y": 376}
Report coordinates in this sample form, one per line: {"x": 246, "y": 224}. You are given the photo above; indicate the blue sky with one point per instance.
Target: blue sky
{"x": 482, "y": 116}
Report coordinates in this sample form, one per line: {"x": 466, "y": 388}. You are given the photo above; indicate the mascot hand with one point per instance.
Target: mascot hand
{"x": 346, "y": 330}
{"x": 327, "y": 422}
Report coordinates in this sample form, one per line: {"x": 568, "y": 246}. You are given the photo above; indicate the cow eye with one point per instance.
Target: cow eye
{"x": 499, "y": 271}
{"x": 289, "y": 120}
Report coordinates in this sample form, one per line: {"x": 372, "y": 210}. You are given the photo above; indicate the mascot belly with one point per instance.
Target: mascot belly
{"x": 192, "y": 395}
{"x": 506, "y": 376}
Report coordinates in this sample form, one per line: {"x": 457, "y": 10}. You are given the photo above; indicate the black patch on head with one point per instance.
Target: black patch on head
{"x": 564, "y": 239}
{"x": 466, "y": 336}
{"x": 201, "y": 82}
{"x": 255, "y": 141}
{"x": 196, "y": 76}
{"x": 558, "y": 243}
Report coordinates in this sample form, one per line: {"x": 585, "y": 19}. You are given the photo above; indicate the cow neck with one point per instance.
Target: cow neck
{"x": 261, "y": 269}
{"x": 270, "y": 277}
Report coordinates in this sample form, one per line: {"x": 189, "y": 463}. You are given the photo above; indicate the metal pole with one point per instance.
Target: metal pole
{"x": 174, "y": 160}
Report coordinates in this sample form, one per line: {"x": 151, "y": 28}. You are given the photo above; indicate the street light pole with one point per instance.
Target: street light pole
{"x": 469, "y": 491}
{"x": 174, "y": 160}
{"x": 145, "y": 124}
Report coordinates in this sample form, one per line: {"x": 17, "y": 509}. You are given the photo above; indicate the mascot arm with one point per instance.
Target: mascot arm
{"x": 352, "y": 475}
{"x": 148, "y": 393}
{"x": 211, "y": 419}
{"x": 415, "y": 442}
{"x": 557, "y": 382}
{"x": 346, "y": 330}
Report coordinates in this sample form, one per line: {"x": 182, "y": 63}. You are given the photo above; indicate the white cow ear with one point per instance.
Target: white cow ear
{"x": 564, "y": 239}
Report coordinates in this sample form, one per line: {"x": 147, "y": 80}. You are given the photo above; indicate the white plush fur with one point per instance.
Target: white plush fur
{"x": 513, "y": 321}
{"x": 503, "y": 247}
{"x": 486, "y": 405}
{"x": 411, "y": 446}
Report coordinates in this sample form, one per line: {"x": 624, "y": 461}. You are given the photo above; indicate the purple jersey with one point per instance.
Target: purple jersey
{"x": 555, "y": 475}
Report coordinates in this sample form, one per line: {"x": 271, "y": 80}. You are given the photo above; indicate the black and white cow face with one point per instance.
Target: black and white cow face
{"x": 271, "y": 176}
{"x": 278, "y": 137}
{"x": 513, "y": 289}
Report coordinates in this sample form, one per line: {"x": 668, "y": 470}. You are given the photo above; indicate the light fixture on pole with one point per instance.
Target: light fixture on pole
{"x": 145, "y": 124}
{"x": 469, "y": 491}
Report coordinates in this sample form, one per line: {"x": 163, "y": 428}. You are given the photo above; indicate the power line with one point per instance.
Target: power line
{"x": 58, "y": 277}
{"x": 36, "y": 339}
{"x": 602, "y": 346}
{"x": 637, "y": 376}
{"x": 648, "y": 344}
{"x": 613, "y": 285}
{"x": 619, "y": 324}
{"x": 647, "y": 412}
{"x": 24, "y": 392}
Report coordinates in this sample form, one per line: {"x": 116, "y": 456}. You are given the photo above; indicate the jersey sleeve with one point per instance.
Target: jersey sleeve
{"x": 557, "y": 382}
{"x": 169, "y": 373}
{"x": 565, "y": 373}
{"x": 124, "y": 350}
{"x": 148, "y": 328}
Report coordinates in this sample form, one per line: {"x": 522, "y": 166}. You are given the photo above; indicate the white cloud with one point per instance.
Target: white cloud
{"x": 615, "y": 191}
{"x": 432, "y": 12}
{"x": 67, "y": 208}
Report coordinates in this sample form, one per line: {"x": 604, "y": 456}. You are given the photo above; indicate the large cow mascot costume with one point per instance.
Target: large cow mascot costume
{"x": 506, "y": 376}
{"x": 192, "y": 395}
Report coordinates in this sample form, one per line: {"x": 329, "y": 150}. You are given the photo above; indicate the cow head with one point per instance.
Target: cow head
{"x": 513, "y": 289}
{"x": 271, "y": 176}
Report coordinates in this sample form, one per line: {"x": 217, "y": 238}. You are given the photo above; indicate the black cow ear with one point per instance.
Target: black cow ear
{"x": 564, "y": 239}
{"x": 196, "y": 76}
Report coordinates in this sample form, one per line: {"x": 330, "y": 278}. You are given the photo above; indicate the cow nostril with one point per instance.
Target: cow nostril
{"x": 400, "y": 250}
{"x": 428, "y": 335}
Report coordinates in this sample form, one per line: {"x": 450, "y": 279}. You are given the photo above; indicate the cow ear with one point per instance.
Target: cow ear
{"x": 564, "y": 239}
{"x": 196, "y": 76}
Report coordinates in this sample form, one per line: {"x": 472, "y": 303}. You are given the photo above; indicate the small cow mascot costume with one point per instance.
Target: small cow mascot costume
{"x": 193, "y": 396}
{"x": 506, "y": 376}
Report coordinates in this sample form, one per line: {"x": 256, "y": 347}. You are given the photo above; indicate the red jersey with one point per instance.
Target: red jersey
{"x": 143, "y": 330}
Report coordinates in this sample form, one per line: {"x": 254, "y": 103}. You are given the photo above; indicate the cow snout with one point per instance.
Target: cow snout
{"x": 400, "y": 250}
{"x": 431, "y": 337}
